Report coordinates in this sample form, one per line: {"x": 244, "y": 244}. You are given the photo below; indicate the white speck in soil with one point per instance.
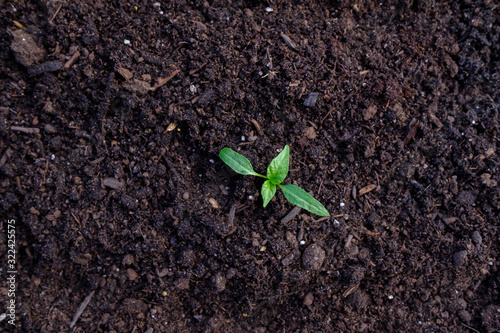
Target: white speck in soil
{"x": 269, "y": 10}
{"x": 342, "y": 204}
{"x": 126, "y": 42}
{"x": 390, "y": 297}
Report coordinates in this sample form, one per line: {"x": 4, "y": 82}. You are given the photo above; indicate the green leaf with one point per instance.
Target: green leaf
{"x": 267, "y": 191}
{"x": 278, "y": 169}
{"x": 239, "y": 163}
{"x": 301, "y": 198}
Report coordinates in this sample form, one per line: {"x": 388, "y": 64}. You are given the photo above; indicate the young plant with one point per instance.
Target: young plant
{"x": 276, "y": 174}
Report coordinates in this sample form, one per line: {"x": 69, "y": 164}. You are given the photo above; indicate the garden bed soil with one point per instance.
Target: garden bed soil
{"x": 112, "y": 117}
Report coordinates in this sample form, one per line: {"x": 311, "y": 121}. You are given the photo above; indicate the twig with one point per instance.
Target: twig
{"x": 290, "y": 216}
{"x": 80, "y": 310}
{"x": 321, "y": 219}
{"x": 257, "y": 127}
{"x": 71, "y": 60}
{"x": 29, "y": 130}
{"x": 55, "y": 14}
{"x": 471, "y": 328}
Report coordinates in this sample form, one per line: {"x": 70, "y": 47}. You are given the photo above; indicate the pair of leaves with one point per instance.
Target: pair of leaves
{"x": 276, "y": 174}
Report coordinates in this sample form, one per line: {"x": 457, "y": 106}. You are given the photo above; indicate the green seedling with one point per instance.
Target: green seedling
{"x": 276, "y": 174}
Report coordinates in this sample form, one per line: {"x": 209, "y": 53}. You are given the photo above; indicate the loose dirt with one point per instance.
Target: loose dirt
{"x": 112, "y": 115}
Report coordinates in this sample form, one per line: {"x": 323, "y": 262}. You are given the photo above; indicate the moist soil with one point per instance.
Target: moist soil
{"x": 126, "y": 220}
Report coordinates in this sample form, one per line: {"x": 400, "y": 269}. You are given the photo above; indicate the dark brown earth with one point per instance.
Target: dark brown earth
{"x": 109, "y": 165}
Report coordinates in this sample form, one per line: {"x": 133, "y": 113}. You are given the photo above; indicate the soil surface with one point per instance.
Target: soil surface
{"x": 112, "y": 115}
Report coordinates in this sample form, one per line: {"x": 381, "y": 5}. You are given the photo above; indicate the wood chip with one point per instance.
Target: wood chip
{"x": 288, "y": 41}
{"x": 125, "y": 73}
{"x": 433, "y": 108}
{"x": 367, "y": 189}
{"x": 412, "y": 131}
{"x": 113, "y": 183}
{"x": 232, "y": 212}
{"x": 435, "y": 120}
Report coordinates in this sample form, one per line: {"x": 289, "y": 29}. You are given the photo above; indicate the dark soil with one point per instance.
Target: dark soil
{"x": 112, "y": 116}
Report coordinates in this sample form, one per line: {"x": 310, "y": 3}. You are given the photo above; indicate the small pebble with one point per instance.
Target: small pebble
{"x": 313, "y": 257}
{"x": 466, "y": 198}
{"x": 269, "y": 10}
{"x": 290, "y": 257}
{"x": 476, "y": 237}
{"x": 311, "y": 100}
{"x": 357, "y": 299}
{"x": 132, "y": 275}
{"x": 128, "y": 260}
{"x": 182, "y": 284}
{"x": 126, "y": 42}
{"x": 219, "y": 282}
{"x": 459, "y": 258}
{"x": 457, "y": 305}
{"x": 48, "y": 128}
{"x": 465, "y": 315}
{"x": 309, "y": 299}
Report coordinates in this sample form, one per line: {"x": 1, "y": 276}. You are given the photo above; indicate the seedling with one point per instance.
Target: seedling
{"x": 276, "y": 174}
